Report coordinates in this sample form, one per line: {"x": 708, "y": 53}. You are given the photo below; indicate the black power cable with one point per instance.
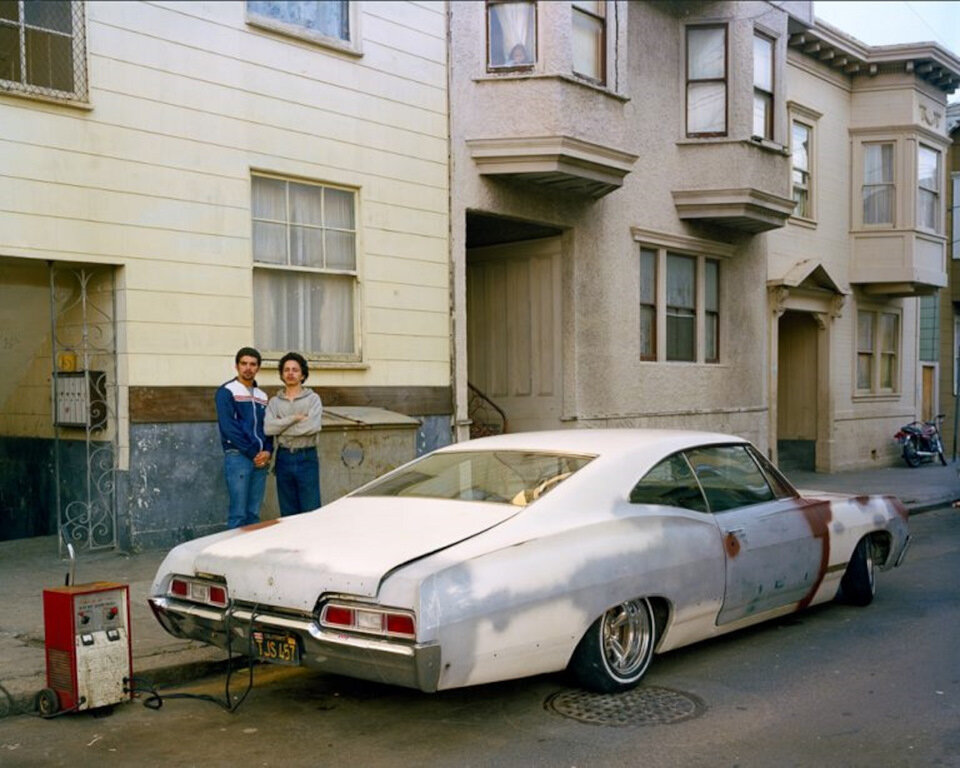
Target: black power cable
{"x": 155, "y": 700}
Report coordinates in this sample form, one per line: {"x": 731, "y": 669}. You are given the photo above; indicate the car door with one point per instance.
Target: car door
{"x": 773, "y": 557}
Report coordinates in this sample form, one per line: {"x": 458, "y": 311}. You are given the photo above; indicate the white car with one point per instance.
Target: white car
{"x": 522, "y": 554}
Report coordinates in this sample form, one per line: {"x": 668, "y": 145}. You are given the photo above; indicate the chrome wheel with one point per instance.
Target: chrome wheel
{"x": 627, "y": 637}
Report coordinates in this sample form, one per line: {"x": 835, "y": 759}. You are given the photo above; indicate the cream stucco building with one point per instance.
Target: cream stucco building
{"x": 183, "y": 179}
{"x": 716, "y": 215}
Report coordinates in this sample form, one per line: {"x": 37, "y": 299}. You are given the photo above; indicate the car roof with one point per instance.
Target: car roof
{"x": 597, "y": 441}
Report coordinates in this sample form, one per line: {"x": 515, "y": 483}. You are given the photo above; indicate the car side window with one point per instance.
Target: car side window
{"x": 670, "y": 483}
{"x": 729, "y": 476}
{"x": 780, "y": 485}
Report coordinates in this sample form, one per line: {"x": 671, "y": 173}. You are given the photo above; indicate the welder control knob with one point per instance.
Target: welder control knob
{"x": 84, "y": 619}
{"x": 112, "y": 613}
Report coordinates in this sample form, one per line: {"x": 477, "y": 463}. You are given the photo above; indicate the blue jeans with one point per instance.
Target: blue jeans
{"x": 298, "y": 480}
{"x": 245, "y": 486}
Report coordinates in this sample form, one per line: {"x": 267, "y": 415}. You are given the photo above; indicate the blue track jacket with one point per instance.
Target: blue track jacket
{"x": 240, "y": 416}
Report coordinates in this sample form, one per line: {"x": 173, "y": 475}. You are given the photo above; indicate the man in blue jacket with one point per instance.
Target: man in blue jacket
{"x": 246, "y": 449}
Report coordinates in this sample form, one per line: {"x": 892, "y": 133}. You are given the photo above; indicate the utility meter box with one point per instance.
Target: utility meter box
{"x": 88, "y": 648}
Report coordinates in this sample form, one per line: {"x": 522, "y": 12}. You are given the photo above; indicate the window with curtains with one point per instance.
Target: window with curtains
{"x": 762, "y": 86}
{"x": 309, "y": 18}
{"x": 878, "y": 183}
{"x": 878, "y": 351}
{"x": 42, "y": 48}
{"x": 680, "y": 313}
{"x": 648, "y": 304}
{"x": 589, "y": 39}
{"x": 928, "y": 189}
{"x": 681, "y": 305}
{"x": 511, "y": 34}
{"x": 706, "y": 81}
{"x": 801, "y": 145}
{"x": 305, "y": 268}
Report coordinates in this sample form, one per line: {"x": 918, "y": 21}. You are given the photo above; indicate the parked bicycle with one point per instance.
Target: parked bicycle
{"x": 920, "y": 441}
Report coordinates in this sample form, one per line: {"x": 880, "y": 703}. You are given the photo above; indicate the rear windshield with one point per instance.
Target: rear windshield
{"x": 504, "y": 477}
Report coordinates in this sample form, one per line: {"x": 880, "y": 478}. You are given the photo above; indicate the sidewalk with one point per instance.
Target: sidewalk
{"x": 28, "y": 566}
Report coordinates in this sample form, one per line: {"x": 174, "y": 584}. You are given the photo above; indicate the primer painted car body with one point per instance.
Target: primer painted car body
{"x": 502, "y": 591}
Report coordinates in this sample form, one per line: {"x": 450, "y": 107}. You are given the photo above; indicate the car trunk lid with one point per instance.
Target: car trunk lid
{"x": 345, "y": 548}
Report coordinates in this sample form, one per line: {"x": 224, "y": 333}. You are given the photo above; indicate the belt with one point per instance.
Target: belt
{"x": 296, "y": 450}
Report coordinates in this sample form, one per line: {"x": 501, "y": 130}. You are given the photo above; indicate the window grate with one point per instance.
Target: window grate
{"x": 43, "y": 49}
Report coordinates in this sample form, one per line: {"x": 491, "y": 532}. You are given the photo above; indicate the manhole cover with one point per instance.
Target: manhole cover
{"x": 647, "y": 705}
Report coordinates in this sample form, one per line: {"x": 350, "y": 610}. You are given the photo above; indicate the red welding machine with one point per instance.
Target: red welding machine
{"x": 87, "y": 640}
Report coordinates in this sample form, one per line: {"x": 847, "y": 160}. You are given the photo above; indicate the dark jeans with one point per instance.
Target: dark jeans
{"x": 245, "y": 486}
{"x": 298, "y": 480}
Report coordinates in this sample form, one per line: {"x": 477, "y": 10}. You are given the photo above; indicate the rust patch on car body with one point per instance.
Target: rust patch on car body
{"x": 818, "y": 515}
{"x": 261, "y": 524}
{"x": 732, "y": 545}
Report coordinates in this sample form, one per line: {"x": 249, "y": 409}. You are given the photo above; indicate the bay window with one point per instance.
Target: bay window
{"x": 511, "y": 34}
{"x": 928, "y": 189}
{"x": 589, "y": 39}
{"x": 878, "y": 183}
{"x": 762, "y": 86}
{"x": 305, "y": 268}
{"x": 706, "y": 81}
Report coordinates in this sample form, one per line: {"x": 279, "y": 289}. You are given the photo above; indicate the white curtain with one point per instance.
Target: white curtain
{"x": 878, "y": 184}
{"x": 706, "y": 60}
{"x": 512, "y": 34}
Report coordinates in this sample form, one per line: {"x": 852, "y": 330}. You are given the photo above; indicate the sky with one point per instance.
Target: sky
{"x": 896, "y": 21}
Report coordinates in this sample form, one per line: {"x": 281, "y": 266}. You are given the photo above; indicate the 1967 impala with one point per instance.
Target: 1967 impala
{"x": 528, "y": 553}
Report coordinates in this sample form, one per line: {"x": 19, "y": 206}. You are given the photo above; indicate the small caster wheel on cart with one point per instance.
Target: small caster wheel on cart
{"x": 48, "y": 703}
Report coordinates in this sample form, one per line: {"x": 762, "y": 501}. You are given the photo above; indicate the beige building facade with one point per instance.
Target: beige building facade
{"x": 183, "y": 179}
{"x": 711, "y": 215}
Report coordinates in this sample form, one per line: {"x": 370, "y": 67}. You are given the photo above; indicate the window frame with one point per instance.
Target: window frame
{"x": 809, "y": 214}
{"x": 507, "y": 67}
{"x": 601, "y": 18}
{"x": 78, "y": 53}
{"x": 286, "y": 268}
{"x": 874, "y": 352}
{"x": 935, "y": 192}
{"x": 702, "y": 316}
{"x": 890, "y": 185}
{"x": 352, "y": 45}
{"x": 770, "y": 96}
{"x": 724, "y": 80}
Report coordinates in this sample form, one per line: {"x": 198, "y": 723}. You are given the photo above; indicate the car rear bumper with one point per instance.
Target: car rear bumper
{"x": 386, "y": 661}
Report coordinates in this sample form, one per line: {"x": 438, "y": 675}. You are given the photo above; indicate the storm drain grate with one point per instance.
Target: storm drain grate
{"x": 648, "y": 705}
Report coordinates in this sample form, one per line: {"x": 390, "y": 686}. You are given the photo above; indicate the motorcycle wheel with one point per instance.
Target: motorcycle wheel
{"x": 910, "y": 452}
{"x": 940, "y": 454}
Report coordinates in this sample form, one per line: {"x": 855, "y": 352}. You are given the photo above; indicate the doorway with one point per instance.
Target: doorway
{"x": 797, "y": 381}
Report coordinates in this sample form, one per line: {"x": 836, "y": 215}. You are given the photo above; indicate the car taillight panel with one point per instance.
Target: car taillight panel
{"x": 374, "y": 620}
{"x": 199, "y": 591}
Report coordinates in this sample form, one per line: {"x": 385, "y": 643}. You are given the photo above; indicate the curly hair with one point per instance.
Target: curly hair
{"x": 299, "y": 360}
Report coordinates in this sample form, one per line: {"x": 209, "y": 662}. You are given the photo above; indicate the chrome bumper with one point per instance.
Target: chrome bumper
{"x": 385, "y": 661}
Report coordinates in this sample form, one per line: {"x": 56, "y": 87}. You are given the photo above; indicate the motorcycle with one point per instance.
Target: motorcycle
{"x": 920, "y": 441}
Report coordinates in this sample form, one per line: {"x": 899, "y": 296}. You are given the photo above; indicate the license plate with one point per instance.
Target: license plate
{"x": 276, "y": 647}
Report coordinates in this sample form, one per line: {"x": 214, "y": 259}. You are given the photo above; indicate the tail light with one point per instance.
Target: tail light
{"x": 199, "y": 591}
{"x": 385, "y": 622}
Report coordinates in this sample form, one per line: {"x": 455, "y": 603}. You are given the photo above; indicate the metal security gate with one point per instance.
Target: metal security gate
{"x": 84, "y": 383}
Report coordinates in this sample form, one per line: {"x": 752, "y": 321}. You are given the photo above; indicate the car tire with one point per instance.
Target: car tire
{"x": 858, "y": 585}
{"x": 616, "y": 651}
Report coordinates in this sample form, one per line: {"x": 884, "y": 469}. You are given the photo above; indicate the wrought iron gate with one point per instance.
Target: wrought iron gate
{"x": 84, "y": 383}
